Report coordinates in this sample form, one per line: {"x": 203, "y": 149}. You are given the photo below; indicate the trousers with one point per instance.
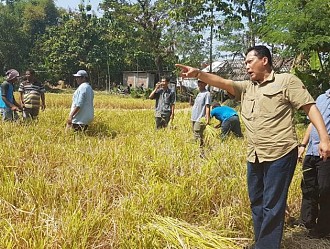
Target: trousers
{"x": 315, "y": 186}
{"x": 268, "y": 185}
{"x": 231, "y": 124}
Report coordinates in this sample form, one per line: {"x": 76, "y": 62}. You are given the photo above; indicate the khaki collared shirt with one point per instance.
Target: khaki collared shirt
{"x": 268, "y": 112}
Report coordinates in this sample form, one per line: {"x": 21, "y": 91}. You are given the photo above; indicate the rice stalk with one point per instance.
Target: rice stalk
{"x": 181, "y": 234}
{"x": 210, "y": 134}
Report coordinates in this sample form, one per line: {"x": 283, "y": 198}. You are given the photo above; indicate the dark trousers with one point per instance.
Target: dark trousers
{"x": 268, "y": 185}
{"x": 79, "y": 127}
{"x": 315, "y": 186}
{"x": 30, "y": 113}
{"x": 231, "y": 124}
{"x": 162, "y": 122}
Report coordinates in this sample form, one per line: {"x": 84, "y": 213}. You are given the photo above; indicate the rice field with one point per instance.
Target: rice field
{"x": 125, "y": 185}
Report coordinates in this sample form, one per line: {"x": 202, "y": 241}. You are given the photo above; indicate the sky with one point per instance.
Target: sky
{"x": 73, "y": 4}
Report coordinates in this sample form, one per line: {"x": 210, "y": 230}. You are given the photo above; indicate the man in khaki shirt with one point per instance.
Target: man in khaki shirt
{"x": 268, "y": 101}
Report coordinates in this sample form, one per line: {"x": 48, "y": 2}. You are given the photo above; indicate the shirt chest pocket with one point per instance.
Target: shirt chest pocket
{"x": 248, "y": 104}
{"x": 167, "y": 98}
{"x": 200, "y": 100}
{"x": 271, "y": 102}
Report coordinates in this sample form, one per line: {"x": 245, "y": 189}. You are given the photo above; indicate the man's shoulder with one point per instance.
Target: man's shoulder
{"x": 206, "y": 92}
{"x": 168, "y": 90}
{"x": 242, "y": 84}
{"x": 85, "y": 87}
{"x": 286, "y": 77}
{"x": 37, "y": 83}
{"x": 322, "y": 97}
{"x": 5, "y": 84}
{"x": 215, "y": 110}
{"x": 24, "y": 83}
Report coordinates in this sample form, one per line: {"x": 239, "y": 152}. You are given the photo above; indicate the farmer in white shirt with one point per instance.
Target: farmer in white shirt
{"x": 82, "y": 108}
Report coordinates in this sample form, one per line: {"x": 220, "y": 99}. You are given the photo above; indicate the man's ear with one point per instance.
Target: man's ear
{"x": 265, "y": 60}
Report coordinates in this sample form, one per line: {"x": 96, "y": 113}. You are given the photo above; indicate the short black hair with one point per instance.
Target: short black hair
{"x": 215, "y": 104}
{"x": 166, "y": 78}
{"x": 261, "y": 51}
{"x": 31, "y": 71}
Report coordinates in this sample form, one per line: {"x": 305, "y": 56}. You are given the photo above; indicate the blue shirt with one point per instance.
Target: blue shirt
{"x": 222, "y": 113}
{"x": 83, "y": 97}
{"x": 323, "y": 104}
{"x": 7, "y": 90}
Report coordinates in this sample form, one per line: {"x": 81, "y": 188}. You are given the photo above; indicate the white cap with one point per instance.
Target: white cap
{"x": 81, "y": 73}
{"x": 12, "y": 74}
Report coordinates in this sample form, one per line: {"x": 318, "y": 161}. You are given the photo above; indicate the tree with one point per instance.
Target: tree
{"x": 14, "y": 47}
{"x": 27, "y": 20}
{"x": 298, "y": 24}
{"x": 302, "y": 29}
{"x": 37, "y": 15}
{"x": 188, "y": 47}
{"x": 142, "y": 25}
{"x": 77, "y": 42}
{"x": 235, "y": 23}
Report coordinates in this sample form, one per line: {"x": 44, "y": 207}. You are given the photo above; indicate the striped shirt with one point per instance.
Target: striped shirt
{"x": 31, "y": 93}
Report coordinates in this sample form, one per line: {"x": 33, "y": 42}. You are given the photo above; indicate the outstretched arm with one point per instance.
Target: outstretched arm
{"x": 211, "y": 79}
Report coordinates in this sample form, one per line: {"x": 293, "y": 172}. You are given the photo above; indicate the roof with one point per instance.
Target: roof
{"x": 235, "y": 69}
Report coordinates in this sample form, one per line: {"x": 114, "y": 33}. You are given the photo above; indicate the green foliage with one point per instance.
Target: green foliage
{"x": 14, "y": 45}
{"x": 138, "y": 93}
{"x": 302, "y": 28}
{"x": 300, "y": 25}
{"x": 300, "y": 117}
{"x": 142, "y": 34}
{"x": 27, "y": 20}
{"x": 154, "y": 35}
{"x": 234, "y": 23}
{"x": 317, "y": 82}
{"x": 77, "y": 43}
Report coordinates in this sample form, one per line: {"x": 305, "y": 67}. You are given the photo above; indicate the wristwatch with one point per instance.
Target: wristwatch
{"x": 302, "y": 145}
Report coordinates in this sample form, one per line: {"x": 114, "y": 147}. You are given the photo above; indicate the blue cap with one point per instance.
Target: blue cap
{"x": 81, "y": 73}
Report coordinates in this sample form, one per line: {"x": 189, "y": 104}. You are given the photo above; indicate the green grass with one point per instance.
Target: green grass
{"x": 123, "y": 184}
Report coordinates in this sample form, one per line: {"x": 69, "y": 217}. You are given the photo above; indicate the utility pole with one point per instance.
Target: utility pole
{"x": 211, "y": 37}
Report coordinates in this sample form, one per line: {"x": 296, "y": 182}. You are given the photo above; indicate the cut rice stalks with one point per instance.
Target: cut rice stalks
{"x": 181, "y": 234}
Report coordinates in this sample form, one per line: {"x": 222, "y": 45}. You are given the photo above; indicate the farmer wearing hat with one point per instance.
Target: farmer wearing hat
{"x": 8, "y": 104}
{"x": 228, "y": 118}
{"x": 82, "y": 108}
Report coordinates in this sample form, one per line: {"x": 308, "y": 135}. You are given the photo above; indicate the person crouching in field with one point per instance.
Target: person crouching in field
{"x": 31, "y": 91}
{"x": 200, "y": 109}
{"x": 8, "y": 104}
{"x": 228, "y": 118}
{"x": 165, "y": 103}
{"x": 82, "y": 108}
